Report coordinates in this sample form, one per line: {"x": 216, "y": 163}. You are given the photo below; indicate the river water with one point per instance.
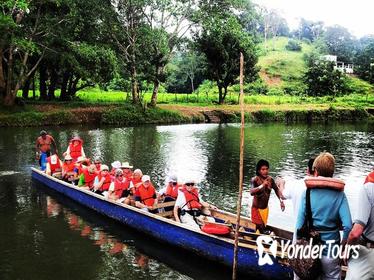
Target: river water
{"x": 46, "y": 236}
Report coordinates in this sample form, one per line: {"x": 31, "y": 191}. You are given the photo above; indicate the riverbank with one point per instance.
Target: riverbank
{"x": 127, "y": 114}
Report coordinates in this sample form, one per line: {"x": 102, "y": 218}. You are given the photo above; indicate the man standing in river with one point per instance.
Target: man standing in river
{"x": 43, "y": 148}
{"x": 262, "y": 184}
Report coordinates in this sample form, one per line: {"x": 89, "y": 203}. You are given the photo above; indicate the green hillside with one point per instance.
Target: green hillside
{"x": 282, "y": 70}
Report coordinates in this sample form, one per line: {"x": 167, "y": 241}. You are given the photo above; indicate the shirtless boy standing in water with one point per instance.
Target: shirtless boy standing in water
{"x": 262, "y": 184}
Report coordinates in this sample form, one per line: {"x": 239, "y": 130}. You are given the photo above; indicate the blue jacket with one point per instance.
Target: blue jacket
{"x": 330, "y": 211}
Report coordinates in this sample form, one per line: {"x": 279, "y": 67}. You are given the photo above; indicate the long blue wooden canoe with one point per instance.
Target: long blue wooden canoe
{"x": 214, "y": 248}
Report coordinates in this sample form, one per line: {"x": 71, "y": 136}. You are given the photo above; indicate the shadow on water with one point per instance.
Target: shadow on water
{"x": 118, "y": 238}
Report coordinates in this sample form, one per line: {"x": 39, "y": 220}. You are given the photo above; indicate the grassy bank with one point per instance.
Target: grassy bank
{"x": 127, "y": 114}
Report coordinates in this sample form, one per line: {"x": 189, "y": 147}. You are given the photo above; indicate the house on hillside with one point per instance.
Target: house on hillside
{"x": 339, "y": 65}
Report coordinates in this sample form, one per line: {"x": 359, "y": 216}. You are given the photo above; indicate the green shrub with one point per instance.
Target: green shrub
{"x": 293, "y": 45}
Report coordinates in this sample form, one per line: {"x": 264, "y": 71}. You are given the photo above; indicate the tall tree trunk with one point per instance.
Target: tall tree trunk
{"x": 220, "y": 95}
{"x": 134, "y": 85}
{"x": 52, "y": 85}
{"x": 156, "y": 86}
{"x": 73, "y": 86}
{"x": 9, "y": 98}
{"x": 64, "y": 85}
{"x": 43, "y": 82}
{"x": 26, "y": 88}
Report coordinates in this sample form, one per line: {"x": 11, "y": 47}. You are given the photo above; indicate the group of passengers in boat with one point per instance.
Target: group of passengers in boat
{"x": 328, "y": 203}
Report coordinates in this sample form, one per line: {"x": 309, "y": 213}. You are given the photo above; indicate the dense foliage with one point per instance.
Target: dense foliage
{"x": 55, "y": 48}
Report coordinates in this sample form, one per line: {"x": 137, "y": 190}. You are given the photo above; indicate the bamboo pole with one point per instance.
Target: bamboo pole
{"x": 239, "y": 202}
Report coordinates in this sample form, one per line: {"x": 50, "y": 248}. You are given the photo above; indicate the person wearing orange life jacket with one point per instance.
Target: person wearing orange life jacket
{"x": 119, "y": 188}
{"x": 145, "y": 195}
{"x": 102, "y": 180}
{"x": 190, "y": 206}
{"x": 54, "y": 166}
{"x": 80, "y": 165}
{"x": 170, "y": 192}
{"x": 68, "y": 169}
{"x": 75, "y": 148}
{"x": 115, "y": 165}
{"x": 87, "y": 178}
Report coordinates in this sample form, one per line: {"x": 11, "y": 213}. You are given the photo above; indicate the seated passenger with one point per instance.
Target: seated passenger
{"x": 68, "y": 169}
{"x": 75, "y": 148}
{"x": 97, "y": 162}
{"x": 126, "y": 168}
{"x": 188, "y": 206}
{"x": 54, "y": 166}
{"x": 145, "y": 195}
{"x": 136, "y": 181}
{"x": 170, "y": 192}
{"x": 87, "y": 178}
{"x": 115, "y": 165}
{"x": 102, "y": 180}
{"x": 80, "y": 165}
{"x": 119, "y": 188}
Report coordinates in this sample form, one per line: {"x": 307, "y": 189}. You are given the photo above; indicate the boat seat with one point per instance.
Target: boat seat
{"x": 167, "y": 214}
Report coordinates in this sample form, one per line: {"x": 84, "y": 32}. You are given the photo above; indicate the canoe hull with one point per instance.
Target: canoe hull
{"x": 210, "y": 247}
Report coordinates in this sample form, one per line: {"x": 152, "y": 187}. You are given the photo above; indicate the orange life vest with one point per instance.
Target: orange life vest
{"x": 75, "y": 151}
{"x": 147, "y": 195}
{"x": 107, "y": 181}
{"x": 324, "y": 183}
{"x": 120, "y": 186}
{"x": 89, "y": 178}
{"x": 68, "y": 167}
{"x": 370, "y": 178}
{"x": 172, "y": 191}
{"x": 45, "y": 144}
{"x": 54, "y": 167}
{"x": 192, "y": 199}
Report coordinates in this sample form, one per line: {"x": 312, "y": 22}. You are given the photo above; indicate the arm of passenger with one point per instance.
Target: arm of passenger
{"x": 254, "y": 188}
{"x": 345, "y": 217}
{"x": 48, "y": 169}
{"x": 176, "y": 216}
{"x": 355, "y": 233}
{"x": 301, "y": 215}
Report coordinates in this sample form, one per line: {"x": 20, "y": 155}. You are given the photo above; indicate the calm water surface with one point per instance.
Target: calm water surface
{"x": 46, "y": 236}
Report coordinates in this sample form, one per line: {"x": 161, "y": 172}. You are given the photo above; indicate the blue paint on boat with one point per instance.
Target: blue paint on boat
{"x": 208, "y": 246}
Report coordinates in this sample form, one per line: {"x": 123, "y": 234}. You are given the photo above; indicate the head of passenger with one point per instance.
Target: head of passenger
{"x": 119, "y": 174}
{"x": 137, "y": 174}
{"x": 76, "y": 141}
{"x": 189, "y": 184}
{"x": 324, "y": 165}
{"x": 97, "y": 163}
{"x": 126, "y": 168}
{"x": 146, "y": 180}
{"x": 310, "y": 169}
{"x": 43, "y": 134}
{"x": 104, "y": 169}
{"x": 91, "y": 169}
{"x": 173, "y": 180}
{"x": 262, "y": 168}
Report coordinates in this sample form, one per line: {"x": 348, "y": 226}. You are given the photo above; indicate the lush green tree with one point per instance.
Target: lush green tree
{"x": 22, "y": 31}
{"x": 364, "y": 63}
{"x": 340, "y": 42}
{"x": 322, "y": 79}
{"x": 186, "y": 72}
{"x": 222, "y": 39}
{"x": 167, "y": 21}
{"x": 310, "y": 30}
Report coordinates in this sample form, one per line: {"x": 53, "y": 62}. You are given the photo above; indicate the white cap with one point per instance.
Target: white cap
{"x": 104, "y": 167}
{"x": 116, "y": 164}
{"x": 146, "y": 178}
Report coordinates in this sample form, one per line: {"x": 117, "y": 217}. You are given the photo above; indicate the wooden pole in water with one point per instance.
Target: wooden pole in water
{"x": 239, "y": 202}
